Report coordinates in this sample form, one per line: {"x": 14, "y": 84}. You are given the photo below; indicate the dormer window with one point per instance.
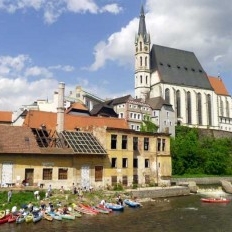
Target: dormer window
{"x": 193, "y": 69}
{"x": 186, "y": 68}
{"x": 161, "y": 63}
{"x": 169, "y": 65}
{"x": 178, "y": 66}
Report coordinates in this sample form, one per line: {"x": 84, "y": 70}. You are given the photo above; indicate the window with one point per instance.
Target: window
{"x": 98, "y": 173}
{"x": 135, "y": 163}
{"x": 124, "y": 180}
{"x": 113, "y": 141}
{"x": 62, "y": 173}
{"x": 178, "y": 104}
{"x": 199, "y": 109}
{"x": 131, "y": 115}
{"x": 141, "y": 79}
{"x": 147, "y": 163}
{"x": 124, "y": 162}
{"x": 163, "y": 144}
{"x": 146, "y": 80}
{"x": 167, "y": 95}
{"x": 189, "y": 108}
{"x": 121, "y": 115}
{"x": 124, "y": 142}
{"x": 114, "y": 163}
{"x": 147, "y": 179}
{"x": 47, "y": 174}
{"x": 135, "y": 143}
{"x": 141, "y": 61}
{"x": 146, "y": 61}
{"x": 209, "y": 110}
{"x": 140, "y": 46}
{"x": 135, "y": 179}
{"x": 114, "y": 180}
{"x": 146, "y": 144}
{"x": 158, "y": 144}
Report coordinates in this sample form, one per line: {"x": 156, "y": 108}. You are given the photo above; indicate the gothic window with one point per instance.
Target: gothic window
{"x": 141, "y": 79}
{"x": 167, "y": 95}
{"x": 227, "y": 109}
{"x": 189, "y": 108}
{"x": 178, "y": 104}
{"x": 146, "y": 61}
{"x": 140, "y": 46}
{"x": 141, "y": 61}
{"x": 199, "y": 109}
{"x": 222, "y": 108}
{"x": 209, "y": 110}
{"x": 146, "y": 79}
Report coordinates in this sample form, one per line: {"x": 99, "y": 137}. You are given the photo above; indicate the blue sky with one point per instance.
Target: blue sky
{"x": 91, "y": 43}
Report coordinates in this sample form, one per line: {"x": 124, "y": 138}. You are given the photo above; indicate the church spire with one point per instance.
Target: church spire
{"x": 142, "y": 24}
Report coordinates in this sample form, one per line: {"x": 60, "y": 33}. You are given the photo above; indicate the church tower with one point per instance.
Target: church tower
{"x": 142, "y": 59}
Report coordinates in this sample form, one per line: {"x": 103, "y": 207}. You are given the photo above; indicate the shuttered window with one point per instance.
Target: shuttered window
{"x": 98, "y": 173}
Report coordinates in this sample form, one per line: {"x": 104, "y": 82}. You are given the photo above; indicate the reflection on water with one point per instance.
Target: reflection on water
{"x": 175, "y": 214}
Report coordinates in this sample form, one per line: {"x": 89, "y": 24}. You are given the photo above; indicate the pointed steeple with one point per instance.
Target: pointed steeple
{"x": 142, "y": 24}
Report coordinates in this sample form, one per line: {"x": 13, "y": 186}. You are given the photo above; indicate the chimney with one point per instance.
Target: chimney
{"x": 60, "y": 108}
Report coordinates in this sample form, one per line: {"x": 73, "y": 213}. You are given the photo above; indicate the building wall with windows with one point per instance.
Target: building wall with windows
{"x": 134, "y": 157}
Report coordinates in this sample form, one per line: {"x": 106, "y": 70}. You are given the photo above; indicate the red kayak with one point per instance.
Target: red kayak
{"x": 4, "y": 219}
{"x": 215, "y": 200}
{"x": 12, "y": 218}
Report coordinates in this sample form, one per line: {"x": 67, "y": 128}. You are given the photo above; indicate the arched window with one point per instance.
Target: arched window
{"x": 178, "y": 104}
{"x": 199, "y": 109}
{"x": 222, "y": 108}
{"x": 140, "y": 46}
{"x": 146, "y": 80}
{"x": 227, "y": 109}
{"x": 146, "y": 61}
{"x": 209, "y": 110}
{"x": 141, "y": 61}
{"x": 189, "y": 108}
{"x": 141, "y": 79}
{"x": 167, "y": 95}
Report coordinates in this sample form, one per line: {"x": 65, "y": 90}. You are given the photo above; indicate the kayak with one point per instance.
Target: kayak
{"x": 131, "y": 203}
{"x": 215, "y": 200}
{"x": 114, "y": 207}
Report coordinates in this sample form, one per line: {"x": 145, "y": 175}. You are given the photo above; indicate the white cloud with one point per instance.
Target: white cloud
{"x": 111, "y": 8}
{"x": 197, "y": 26}
{"x": 53, "y": 9}
{"x": 38, "y": 71}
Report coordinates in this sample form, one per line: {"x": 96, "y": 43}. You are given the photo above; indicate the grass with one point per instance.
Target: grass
{"x": 23, "y": 197}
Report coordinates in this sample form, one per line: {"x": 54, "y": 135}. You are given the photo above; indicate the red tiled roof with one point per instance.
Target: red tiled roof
{"x": 6, "y": 116}
{"x": 35, "y": 119}
{"x": 17, "y": 139}
{"x": 218, "y": 86}
{"x": 78, "y": 106}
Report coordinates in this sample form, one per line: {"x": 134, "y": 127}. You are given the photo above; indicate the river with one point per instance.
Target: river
{"x": 176, "y": 214}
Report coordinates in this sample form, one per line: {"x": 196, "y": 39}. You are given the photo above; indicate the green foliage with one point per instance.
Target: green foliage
{"x": 147, "y": 125}
{"x": 118, "y": 187}
{"x": 192, "y": 154}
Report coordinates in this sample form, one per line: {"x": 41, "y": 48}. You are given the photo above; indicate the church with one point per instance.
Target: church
{"x": 198, "y": 100}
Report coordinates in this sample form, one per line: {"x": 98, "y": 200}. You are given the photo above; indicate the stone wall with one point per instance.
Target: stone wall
{"x": 201, "y": 181}
{"x": 158, "y": 192}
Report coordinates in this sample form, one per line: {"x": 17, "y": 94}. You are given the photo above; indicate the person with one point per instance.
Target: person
{"x": 103, "y": 203}
{"x": 42, "y": 205}
{"x": 65, "y": 209}
{"x": 119, "y": 200}
{"x": 62, "y": 189}
{"x": 9, "y": 195}
{"x": 74, "y": 189}
{"x": 30, "y": 206}
{"x": 49, "y": 191}
{"x": 36, "y": 194}
{"x": 80, "y": 193}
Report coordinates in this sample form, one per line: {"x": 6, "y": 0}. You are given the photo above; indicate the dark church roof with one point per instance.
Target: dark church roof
{"x": 178, "y": 67}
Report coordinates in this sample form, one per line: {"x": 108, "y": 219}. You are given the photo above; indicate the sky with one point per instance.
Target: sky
{"x": 90, "y": 43}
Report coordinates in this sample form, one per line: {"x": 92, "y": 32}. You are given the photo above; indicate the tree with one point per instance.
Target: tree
{"x": 147, "y": 125}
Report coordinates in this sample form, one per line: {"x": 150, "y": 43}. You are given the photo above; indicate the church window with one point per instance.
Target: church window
{"x": 209, "y": 110}
{"x": 167, "y": 95}
{"x": 146, "y": 61}
{"x": 141, "y": 79}
{"x": 146, "y": 80}
{"x": 178, "y": 104}
{"x": 222, "y": 108}
{"x": 199, "y": 109}
{"x": 189, "y": 108}
{"x": 227, "y": 109}
{"x": 140, "y": 46}
{"x": 141, "y": 61}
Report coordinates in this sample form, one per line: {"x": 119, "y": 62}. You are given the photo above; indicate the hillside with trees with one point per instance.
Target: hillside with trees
{"x": 193, "y": 153}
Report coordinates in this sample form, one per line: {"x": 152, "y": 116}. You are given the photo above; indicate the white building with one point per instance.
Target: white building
{"x": 178, "y": 77}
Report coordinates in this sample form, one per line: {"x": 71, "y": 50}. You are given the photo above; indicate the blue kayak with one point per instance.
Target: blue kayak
{"x": 132, "y": 203}
{"x": 114, "y": 207}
